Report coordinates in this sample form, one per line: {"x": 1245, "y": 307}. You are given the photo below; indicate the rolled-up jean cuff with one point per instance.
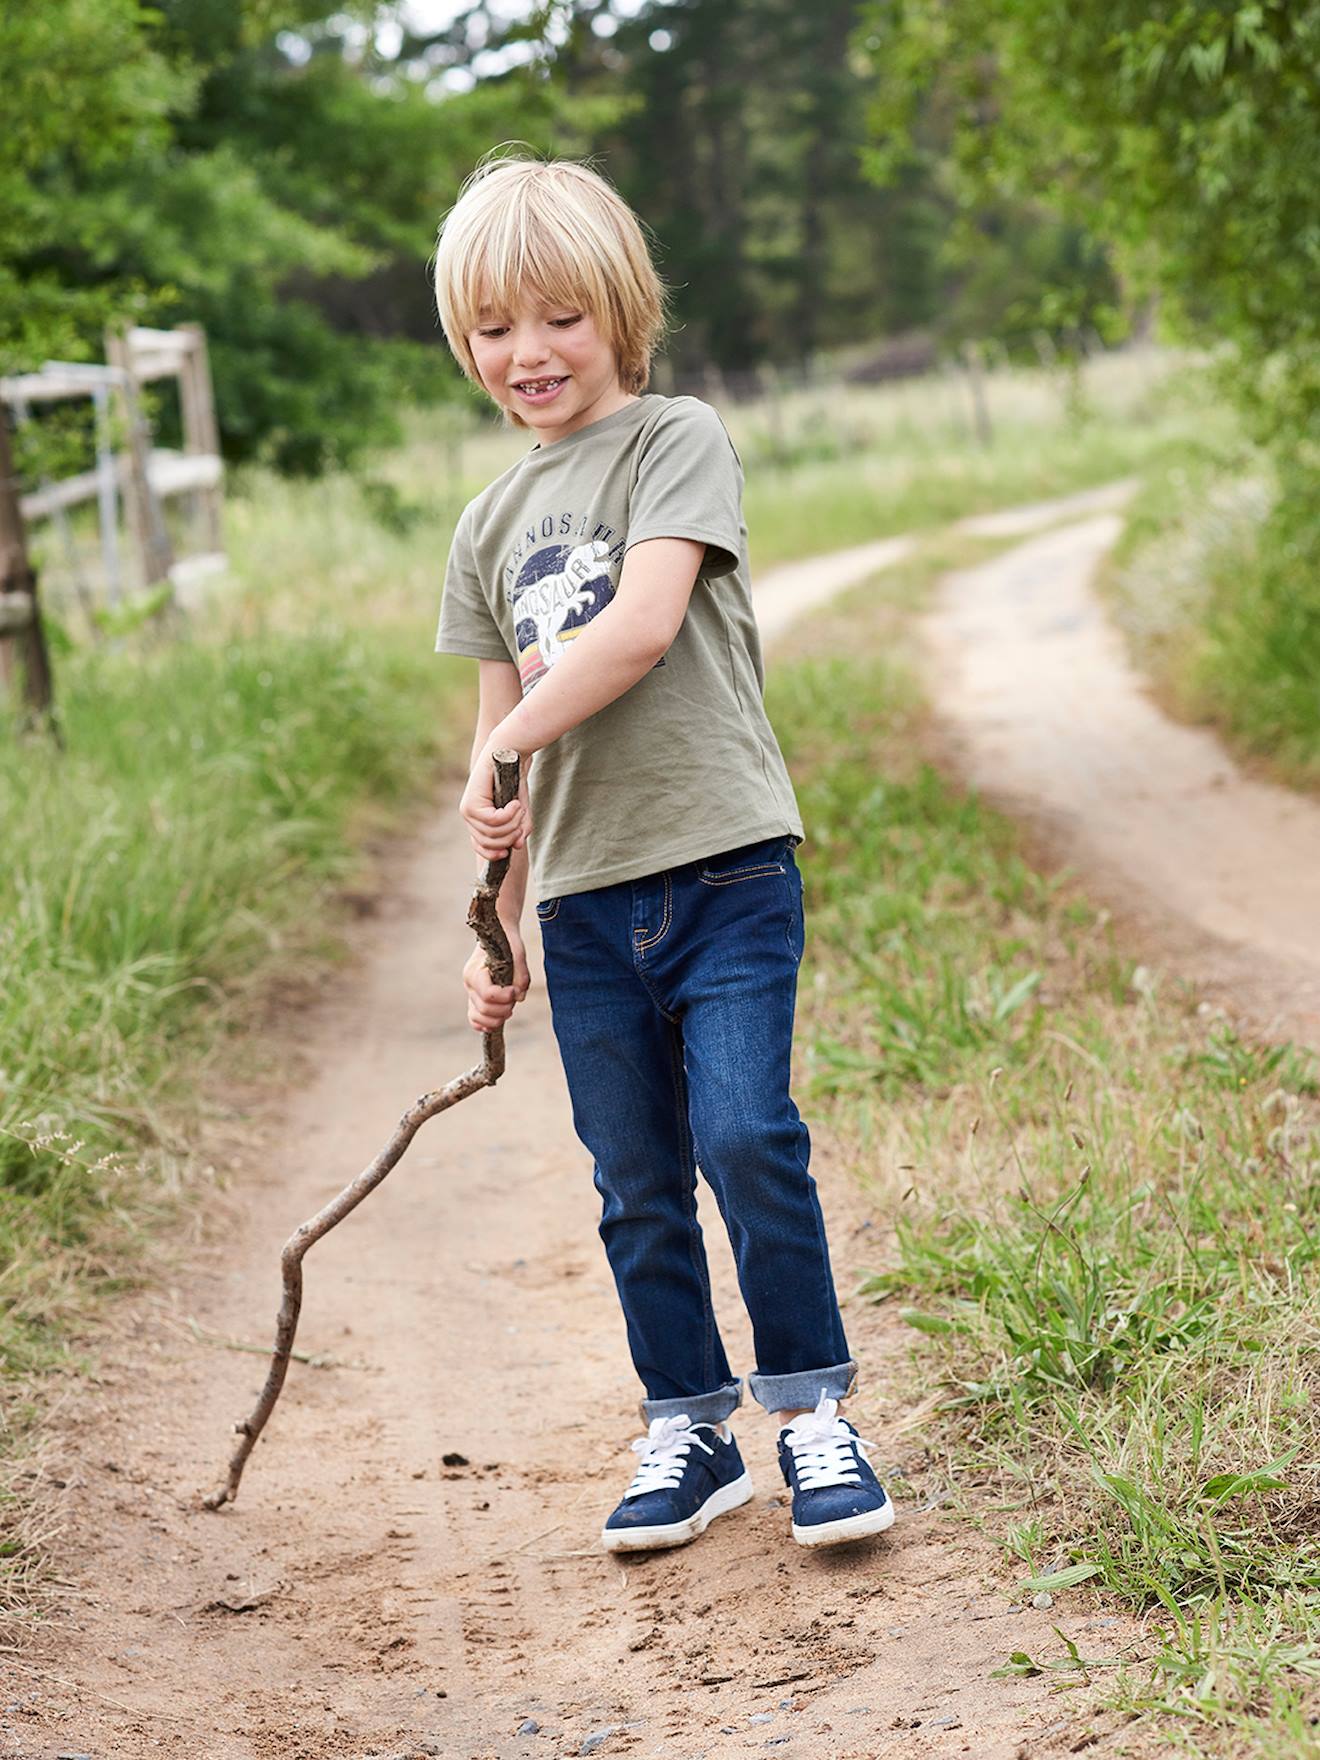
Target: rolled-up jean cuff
{"x": 802, "y": 1390}
{"x": 701, "y": 1408}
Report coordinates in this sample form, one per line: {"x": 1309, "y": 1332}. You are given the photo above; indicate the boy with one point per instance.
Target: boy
{"x": 602, "y": 584}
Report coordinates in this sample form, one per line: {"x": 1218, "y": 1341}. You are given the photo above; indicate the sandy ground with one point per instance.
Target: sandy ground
{"x": 413, "y": 1555}
{"x": 1048, "y": 718}
{"x": 412, "y": 1566}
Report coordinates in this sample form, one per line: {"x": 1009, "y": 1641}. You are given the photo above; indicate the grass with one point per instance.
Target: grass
{"x": 203, "y": 803}
{"x": 192, "y": 850}
{"x": 1105, "y": 1209}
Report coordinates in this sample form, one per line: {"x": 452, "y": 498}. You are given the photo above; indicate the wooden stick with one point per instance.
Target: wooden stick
{"x": 483, "y": 920}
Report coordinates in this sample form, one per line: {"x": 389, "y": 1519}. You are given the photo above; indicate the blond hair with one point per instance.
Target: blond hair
{"x": 554, "y": 229}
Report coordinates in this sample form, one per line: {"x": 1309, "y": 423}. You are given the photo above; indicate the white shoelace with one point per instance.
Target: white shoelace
{"x": 664, "y": 1451}
{"x": 822, "y": 1447}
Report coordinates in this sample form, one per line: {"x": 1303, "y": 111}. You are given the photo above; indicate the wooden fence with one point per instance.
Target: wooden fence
{"x": 132, "y": 472}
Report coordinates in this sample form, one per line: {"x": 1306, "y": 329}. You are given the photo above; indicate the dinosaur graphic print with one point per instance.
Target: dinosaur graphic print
{"x": 558, "y": 590}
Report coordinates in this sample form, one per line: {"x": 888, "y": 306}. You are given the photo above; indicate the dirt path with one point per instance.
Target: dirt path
{"x": 412, "y": 1566}
{"x": 1050, "y": 720}
{"x": 795, "y": 588}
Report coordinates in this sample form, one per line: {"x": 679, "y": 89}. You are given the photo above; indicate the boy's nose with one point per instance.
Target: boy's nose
{"x": 529, "y": 346}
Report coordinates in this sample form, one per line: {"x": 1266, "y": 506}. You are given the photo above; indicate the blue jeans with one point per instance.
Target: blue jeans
{"x": 672, "y": 998}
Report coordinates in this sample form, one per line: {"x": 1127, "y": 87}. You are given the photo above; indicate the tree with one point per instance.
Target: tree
{"x": 735, "y": 128}
{"x": 248, "y": 166}
{"x": 1186, "y": 134}
{"x": 84, "y": 93}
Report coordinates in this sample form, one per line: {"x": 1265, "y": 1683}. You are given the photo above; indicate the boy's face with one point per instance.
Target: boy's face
{"x": 517, "y": 353}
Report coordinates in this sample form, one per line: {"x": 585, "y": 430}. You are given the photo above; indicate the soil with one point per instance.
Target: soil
{"x": 412, "y": 1566}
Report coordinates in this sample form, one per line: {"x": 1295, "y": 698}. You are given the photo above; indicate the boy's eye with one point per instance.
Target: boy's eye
{"x": 493, "y": 330}
{"x": 564, "y": 322}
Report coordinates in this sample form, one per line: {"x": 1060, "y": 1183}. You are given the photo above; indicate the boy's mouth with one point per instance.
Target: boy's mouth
{"x": 539, "y": 390}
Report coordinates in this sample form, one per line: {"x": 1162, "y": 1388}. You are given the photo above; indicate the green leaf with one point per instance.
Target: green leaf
{"x": 1019, "y": 1663}
{"x": 935, "y": 1324}
{"x": 1014, "y": 998}
{"x": 1064, "y": 1579}
{"x": 1224, "y": 1486}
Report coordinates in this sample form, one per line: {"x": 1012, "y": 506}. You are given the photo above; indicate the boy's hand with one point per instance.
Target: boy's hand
{"x": 490, "y": 1005}
{"x": 493, "y": 830}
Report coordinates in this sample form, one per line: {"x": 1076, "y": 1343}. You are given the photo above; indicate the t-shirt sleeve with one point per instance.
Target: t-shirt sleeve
{"x": 466, "y": 624}
{"x": 689, "y": 485}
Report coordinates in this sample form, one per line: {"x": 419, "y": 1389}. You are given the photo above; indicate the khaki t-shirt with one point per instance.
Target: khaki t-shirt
{"x": 685, "y": 763}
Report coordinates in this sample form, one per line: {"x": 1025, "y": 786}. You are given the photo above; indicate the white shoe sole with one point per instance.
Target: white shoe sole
{"x": 730, "y": 1496}
{"x": 871, "y": 1521}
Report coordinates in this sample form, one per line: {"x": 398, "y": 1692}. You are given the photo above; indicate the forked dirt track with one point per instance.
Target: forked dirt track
{"x": 1219, "y": 870}
{"x": 412, "y": 1565}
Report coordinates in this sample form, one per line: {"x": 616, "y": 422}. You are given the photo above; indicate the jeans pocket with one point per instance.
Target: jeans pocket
{"x": 797, "y": 924}
{"x": 751, "y": 861}
{"x": 548, "y": 910}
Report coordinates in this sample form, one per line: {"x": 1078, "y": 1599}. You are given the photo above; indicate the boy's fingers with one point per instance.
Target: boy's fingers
{"x": 496, "y": 830}
{"x": 488, "y": 994}
{"x": 489, "y": 847}
{"x": 504, "y": 834}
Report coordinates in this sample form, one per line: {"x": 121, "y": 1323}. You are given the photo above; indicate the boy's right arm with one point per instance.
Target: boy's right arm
{"x": 490, "y": 1005}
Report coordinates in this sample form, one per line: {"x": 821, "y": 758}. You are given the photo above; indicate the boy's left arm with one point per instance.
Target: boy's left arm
{"x": 606, "y": 659}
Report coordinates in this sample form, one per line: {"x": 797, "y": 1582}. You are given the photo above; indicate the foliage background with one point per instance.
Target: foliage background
{"x": 276, "y": 171}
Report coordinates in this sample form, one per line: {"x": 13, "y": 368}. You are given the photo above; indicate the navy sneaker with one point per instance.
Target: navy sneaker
{"x": 836, "y": 1496}
{"x": 690, "y": 1473}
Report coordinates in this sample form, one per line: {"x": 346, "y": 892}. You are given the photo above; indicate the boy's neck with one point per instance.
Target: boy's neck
{"x": 608, "y": 404}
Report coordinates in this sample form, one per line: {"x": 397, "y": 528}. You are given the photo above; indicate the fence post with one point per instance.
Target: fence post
{"x": 201, "y": 431}
{"x": 144, "y": 509}
{"x": 21, "y": 632}
{"x": 107, "y": 494}
{"x": 974, "y": 364}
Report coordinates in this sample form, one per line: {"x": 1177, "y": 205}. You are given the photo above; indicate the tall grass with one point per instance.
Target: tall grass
{"x": 1260, "y": 670}
{"x": 1216, "y": 586}
{"x": 1103, "y": 1209}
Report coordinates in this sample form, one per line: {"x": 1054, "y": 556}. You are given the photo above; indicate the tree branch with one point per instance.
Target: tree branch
{"x": 482, "y": 918}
